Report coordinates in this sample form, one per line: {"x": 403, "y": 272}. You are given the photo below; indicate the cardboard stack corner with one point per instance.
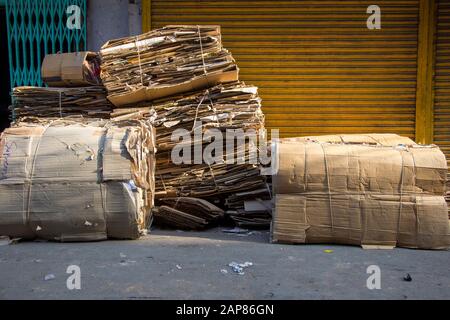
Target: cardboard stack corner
{"x": 67, "y": 69}
{"x": 70, "y": 181}
{"x": 370, "y": 190}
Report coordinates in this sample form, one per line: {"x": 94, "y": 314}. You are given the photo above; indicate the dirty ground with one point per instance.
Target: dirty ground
{"x": 217, "y": 265}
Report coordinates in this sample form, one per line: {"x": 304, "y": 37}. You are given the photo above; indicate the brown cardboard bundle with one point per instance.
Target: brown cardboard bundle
{"x": 352, "y": 191}
{"x": 187, "y": 213}
{"x": 225, "y": 106}
{"x": 75, "y": 69}
{"x": 165, "y": 62}
{"x": 49, "y": 102}
{"x": 74, "y": 181}
{"x": 233, "y": 105}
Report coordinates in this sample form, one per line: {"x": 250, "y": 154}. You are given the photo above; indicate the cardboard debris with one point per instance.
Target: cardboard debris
{"x": 250, "y": 209}
{"x": 88, "y": 102}
{"x": 363, "y": 194}
{"x": 165, "y": 62}
{"x": 73, "y": 181}
{"x": 187, "y": 213}
{"x": 76, "y": 69}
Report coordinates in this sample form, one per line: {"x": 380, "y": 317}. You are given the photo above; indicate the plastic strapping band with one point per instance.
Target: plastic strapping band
{"x": 139, "y": 58}
{"x": 329, "y": 187}
{"x": 401, "y": 198}
{"x": 201, "y": 48}
{"x": 60, "y": 102}
{"x": 33, "y": 162}
{"x": 164, "y": 185}
{"x": 214, "y": 178}
{"x": 214, "y": 110}
{"x": 198, "y": 107}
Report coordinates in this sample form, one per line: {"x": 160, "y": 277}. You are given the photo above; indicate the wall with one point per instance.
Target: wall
{"x": 111, "y": 19}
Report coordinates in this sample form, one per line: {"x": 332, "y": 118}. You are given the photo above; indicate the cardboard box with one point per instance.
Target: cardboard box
{"x": 347, "y": 191}
{"x": 70, "y": 69}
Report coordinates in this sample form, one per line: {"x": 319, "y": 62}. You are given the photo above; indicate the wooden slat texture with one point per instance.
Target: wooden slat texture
{"x": 319, "y": 69}
{"x": 442, "y": 83}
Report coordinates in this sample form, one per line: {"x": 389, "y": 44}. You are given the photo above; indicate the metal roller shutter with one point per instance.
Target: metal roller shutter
{"x": 319, "y": 69}
{"x": 442, "y": 83}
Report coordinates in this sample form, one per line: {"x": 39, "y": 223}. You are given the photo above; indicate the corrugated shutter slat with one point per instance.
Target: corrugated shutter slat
{"x": 319, "y": 69}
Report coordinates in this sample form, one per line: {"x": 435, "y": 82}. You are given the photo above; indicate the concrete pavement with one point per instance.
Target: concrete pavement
{"x": 194, "y": 265}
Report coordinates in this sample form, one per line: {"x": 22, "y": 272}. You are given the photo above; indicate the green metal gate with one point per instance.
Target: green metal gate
{"x": 38, "y": 27}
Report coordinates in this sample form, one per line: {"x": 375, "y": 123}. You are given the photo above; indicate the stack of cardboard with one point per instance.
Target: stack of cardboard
{"x": 185, "y": 75}
{"x": 61, "y": 102}
{"x": 250, "y": 209}
{"x": 165, "y": 62}
{"x": 228, "y": 106}
{"x": 72, "y": 181}
{"x": 187, "y": 213}
{"x": 74, "y": 89}
{"x": 67, "y": 173}
{"x": 371, "y": 190}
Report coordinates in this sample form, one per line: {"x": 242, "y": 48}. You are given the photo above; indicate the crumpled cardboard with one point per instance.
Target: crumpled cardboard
{"x": 70, "y": 181}
{"x": 345, "y": 190}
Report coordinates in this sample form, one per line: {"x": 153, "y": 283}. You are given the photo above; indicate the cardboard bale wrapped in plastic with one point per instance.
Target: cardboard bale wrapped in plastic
{"x": 72, "y": 181}
{"x": 164, "y": 62}
{"x": 373, "y": 190}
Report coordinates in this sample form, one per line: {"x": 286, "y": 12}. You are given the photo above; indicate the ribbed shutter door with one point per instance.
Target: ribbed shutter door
{"x": 319, "y": 69}
{"x": 442, "y": 81}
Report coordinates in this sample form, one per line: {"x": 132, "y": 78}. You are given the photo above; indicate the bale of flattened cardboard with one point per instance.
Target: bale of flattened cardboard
{"x": 88, "y": 102}
{"x": 75, "y": 69}
{"x": 370, "y": 190}
{"x": 230, "y": 106}
{"x": 73, "y": 181}
{"x": 165, "y": 62}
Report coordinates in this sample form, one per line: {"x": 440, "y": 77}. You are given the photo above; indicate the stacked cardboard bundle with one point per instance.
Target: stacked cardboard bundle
{"x": 227, "y": 106}
{"x": 187, "y": 213}
{"x": 164, "y": 62}
{"x": 371, "y": 190}
{"x": 76, "y": 181}
{"x": 61, "y": 102}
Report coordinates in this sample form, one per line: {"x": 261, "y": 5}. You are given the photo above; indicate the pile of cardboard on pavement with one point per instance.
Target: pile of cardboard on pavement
{"x": 373, "y": 190}
{"x": 185, "y": 75}
{"x": 187, "y": 213}
{"x": 66, "y": 174}
{"x": 76, "y": 181}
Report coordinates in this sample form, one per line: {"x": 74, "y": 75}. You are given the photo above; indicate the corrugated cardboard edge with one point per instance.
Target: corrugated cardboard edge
{"x": 200, "y": 82}
{"x": 376, "y": 247}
